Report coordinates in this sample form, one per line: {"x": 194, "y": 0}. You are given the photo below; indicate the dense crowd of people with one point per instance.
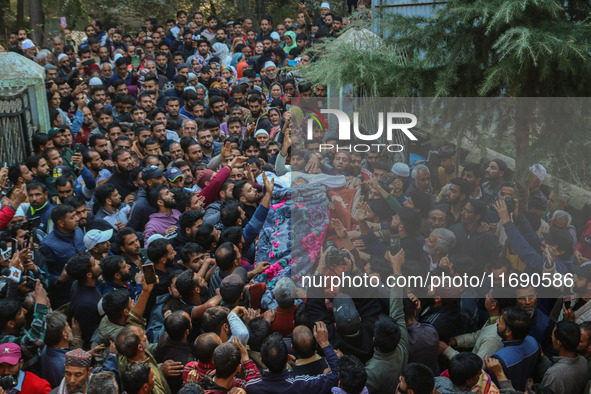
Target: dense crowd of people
{"x": 148, "y": 245}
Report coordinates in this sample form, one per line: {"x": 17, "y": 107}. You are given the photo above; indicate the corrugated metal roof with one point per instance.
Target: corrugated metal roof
{"x": 423, "y": 8}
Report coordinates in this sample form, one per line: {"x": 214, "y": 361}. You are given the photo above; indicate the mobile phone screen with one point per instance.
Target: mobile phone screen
{"x": 134, "y": 61}
{"x": 149, "y": 273}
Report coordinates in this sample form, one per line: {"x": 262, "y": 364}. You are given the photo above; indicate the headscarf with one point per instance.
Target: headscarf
{"x": 191, "y": 78}
{"x": 200, "y": 63}
{"x": 293, "y": 42}
{"x": 271, "y": 98}
{"x": 275, "y": 109}
{"x": 232, "y": 70}
{"x": 236, "y": 59}
{"x": 206, "y": 91}
{"x": 221, "y": 50}
{"x": 240, "y": 69}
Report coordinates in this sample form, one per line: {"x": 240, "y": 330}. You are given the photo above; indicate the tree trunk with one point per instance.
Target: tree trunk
{"x": 244, "y": 9}
{"x": 523, "y": 117}
{"x": 261, "y": 10}
{"x": 20, "y": 13}
{"x": 37, "y": 21}
{"x": 4, "y": 6}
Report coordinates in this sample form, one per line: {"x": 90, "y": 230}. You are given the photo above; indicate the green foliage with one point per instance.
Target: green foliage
{"x": 484, "y": 48}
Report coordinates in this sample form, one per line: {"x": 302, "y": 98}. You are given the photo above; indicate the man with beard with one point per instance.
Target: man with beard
{"x": 495, "y": 172}
{"x": 40, "y": 206}
{"x": 246, "y": 194}
{"x": 161, "y": 254}
{"x": 120, "y": 177}
{"x": 193, "y": 152}
{"x": 189, "y": 222}
{"x": 128, "y": 243}
{"x": 421, "y": 178}
{"x": 238, "y": 95}
{"x": 11, "y": 363}
{"x": 159, "y": 115}
{"x": 39, "y": 167}
{"x": 579, "y": 310}
{"x": 158, "y": 130}
{"x": 176, "y": 152}
{"x": 437, "y": 246}
{"x": 173, "y": 108}
{"x": 61, "y": 244}
{"x": 163, "y": 66}
{"x": 81, "y": 213}
{"x": 180, "y": 83}
{"x": 482, "y": 247}
{"x": 209, "y": 147}
{"x": 118, "y": 276}
{"x": 204, "y": 47}
{"x": 187, "y": 173}
{"x": 93, "y": 161}
{"x": 142, "y": 209}
{"x": 457, "y": 195}
{"x": 257, "y": 118}
{"x": 64, "y": 66}
{"x": 113, "y": 131}
{"x": 84, "y": 295}
{"x": 138, "y": 377}
{"x": 193, "y": 290}
{"x": 112, "y": 213}
{"x": 233, "y": 214}
{"x": 100, "y": 144}
{"x": 270, "y": 71}
{"x": 87, "y": 123}
{"x": 142, "y": 133}
{"x": 473, "y": 174}
{"x": 59, "y": 138}
{"x": 164, "y": 220}
{"x": 218, "y": 108}
{"x": 104, "y": 119}
{"x": 20, "y": 176}
{"x": 78, "y": 370}
{"x": 520, "y": 355}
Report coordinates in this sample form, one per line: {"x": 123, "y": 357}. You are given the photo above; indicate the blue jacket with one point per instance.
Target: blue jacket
{"x": 284, "y": 383}
{"x": 132, "y": 288}
{"x": 531, "y": 257}
{"x": 89, "y": 182}
{"x": 52, "y": 364}
{"x": 519, "y": 360}
{"x": 58, "y": 248}
{"x": 252, "y": 230}
{"x": 155, "y": 327}
{"x": 44, "y": 213}
{"x": 141, "y": 211}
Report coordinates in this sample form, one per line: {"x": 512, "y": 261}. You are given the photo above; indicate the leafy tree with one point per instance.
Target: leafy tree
{"x": 483, "y": 48}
